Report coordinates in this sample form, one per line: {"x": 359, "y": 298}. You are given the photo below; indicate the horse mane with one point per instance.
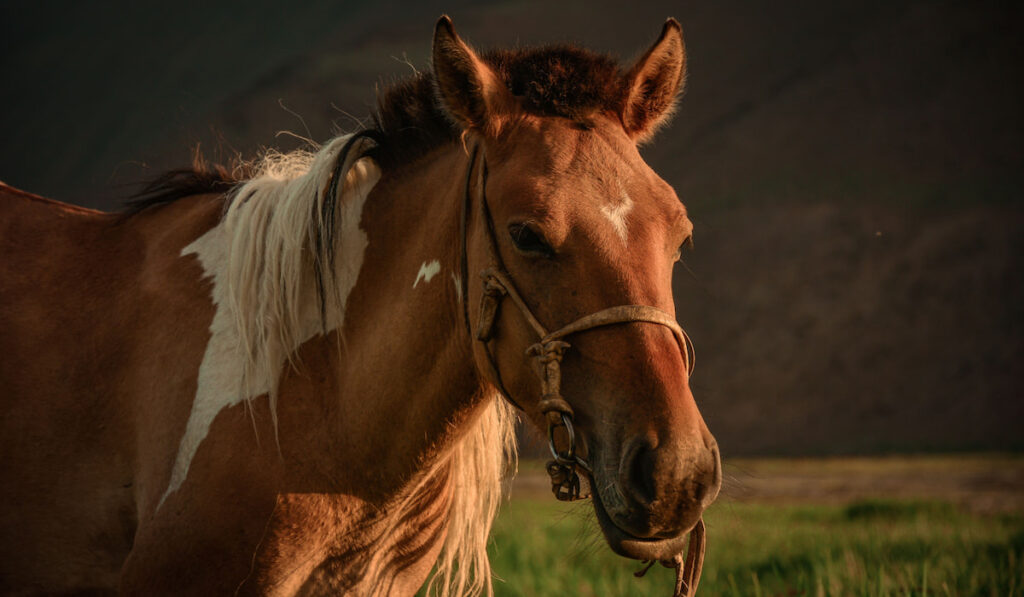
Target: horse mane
{"x": 281, "y": 224}
{"x": 556, "y": 80}
{"x": 281, "y": 231}
{"x": 470, "y": 478}
{"x": 201, "y": 178}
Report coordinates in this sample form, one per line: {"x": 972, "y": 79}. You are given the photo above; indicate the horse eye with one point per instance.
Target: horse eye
{"x": 528, "y": 240}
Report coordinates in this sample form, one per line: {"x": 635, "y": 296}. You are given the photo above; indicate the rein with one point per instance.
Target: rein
{"x": 546, "y": 355}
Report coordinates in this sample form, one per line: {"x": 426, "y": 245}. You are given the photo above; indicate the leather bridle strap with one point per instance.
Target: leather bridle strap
{"x": 688, "y": 572}
{"x": 609, "y": 316}
{"x": 493, "y": 372}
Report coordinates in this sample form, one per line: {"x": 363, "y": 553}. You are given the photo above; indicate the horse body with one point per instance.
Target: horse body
{"x": 200, "y": 399}
{"x": 272, "y": 510}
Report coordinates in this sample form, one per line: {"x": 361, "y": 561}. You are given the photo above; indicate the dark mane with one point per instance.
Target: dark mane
{"x": 563, "y": 81}
{"x": 201, "y": 179}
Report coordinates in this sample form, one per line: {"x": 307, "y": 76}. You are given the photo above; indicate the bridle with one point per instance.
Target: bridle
{"x": 546, "y": 357}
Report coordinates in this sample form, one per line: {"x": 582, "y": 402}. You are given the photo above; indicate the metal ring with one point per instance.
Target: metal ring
{"x": 570, "y": 456}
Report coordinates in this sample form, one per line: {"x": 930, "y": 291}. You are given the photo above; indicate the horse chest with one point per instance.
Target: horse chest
{"x": 324, "y": 544}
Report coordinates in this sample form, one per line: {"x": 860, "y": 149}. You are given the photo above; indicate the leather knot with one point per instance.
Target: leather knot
{"x": 494, "y": 291}
{"x": 554, "y": 403}
{"x": 547, "y": 357}
{"x": 554, "y": 407}
{"x": 492, "y": 286}
{"x": 548, "y": 352}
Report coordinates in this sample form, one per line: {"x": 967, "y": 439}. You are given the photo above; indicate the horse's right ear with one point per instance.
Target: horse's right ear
{"x": 470, "y": 91}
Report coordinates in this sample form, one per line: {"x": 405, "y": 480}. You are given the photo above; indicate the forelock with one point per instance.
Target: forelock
{"x": 560, "y": 80}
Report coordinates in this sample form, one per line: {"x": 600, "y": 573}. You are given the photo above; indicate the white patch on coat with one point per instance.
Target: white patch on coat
{"x": 427, "y": 272}
{"x": 228, "y": 374}
{"x": 616, "y": 214}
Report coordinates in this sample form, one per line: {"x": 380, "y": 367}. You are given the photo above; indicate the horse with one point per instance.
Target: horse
{"x": 302, "y": 378}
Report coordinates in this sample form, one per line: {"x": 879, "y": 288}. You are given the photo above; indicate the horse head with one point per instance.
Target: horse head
{"x": 563, "y": 214}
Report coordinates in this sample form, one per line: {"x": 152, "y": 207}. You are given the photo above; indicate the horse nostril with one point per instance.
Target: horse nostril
{"x": 700, "y": 492}
{"x": 640, "y": 473}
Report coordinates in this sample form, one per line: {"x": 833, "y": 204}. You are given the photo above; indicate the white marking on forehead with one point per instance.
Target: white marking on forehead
{"x": 220, "y": 381}
{"x": 427, "y": 272}
{"x": 617, "y": 212}
{"x": 458, "y": 285}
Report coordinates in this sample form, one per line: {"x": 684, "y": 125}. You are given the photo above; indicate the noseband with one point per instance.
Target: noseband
{"x": 546, "y": 357}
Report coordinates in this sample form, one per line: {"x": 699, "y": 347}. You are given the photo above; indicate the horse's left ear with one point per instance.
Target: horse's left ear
{"x": 471, "y": 92}
{"x": 654, "y": 83}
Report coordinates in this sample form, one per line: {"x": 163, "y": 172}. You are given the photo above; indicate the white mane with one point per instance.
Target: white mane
{"x": 264, "y": 257}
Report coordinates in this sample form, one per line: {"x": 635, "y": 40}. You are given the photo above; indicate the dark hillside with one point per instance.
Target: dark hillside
{"x": 854, "y": 170}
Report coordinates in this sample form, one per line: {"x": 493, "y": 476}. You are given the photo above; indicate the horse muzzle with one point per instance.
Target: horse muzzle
{"x": 651, "y": 496}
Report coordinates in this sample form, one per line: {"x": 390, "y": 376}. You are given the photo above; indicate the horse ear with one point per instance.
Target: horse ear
{"x": 471, "y": 92}
{"x": 654, "y": 83}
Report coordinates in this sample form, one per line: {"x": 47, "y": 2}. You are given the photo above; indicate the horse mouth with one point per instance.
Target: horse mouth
{"x": 638, "y": 548}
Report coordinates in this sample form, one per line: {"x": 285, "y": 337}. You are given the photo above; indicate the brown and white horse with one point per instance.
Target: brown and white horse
{"x": 275, "y": 385}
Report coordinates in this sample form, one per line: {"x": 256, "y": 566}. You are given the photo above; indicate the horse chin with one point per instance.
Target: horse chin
{"x": 639, "y": 548}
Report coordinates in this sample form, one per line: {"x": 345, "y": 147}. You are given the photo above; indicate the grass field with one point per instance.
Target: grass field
{"x": 862, "y": 546}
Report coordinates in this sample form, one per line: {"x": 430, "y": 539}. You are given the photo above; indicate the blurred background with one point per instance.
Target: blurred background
{"x": 853, "y": 170}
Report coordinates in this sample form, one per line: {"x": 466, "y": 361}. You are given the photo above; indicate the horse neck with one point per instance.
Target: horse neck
{"x": 403, "y": 391}
{"x": 416, "y": 431}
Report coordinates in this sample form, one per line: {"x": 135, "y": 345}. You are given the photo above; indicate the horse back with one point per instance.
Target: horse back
{"x": 63, "y": 279}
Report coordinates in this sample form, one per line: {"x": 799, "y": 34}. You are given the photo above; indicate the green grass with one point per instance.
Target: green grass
{"x": 875, "y": 547}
